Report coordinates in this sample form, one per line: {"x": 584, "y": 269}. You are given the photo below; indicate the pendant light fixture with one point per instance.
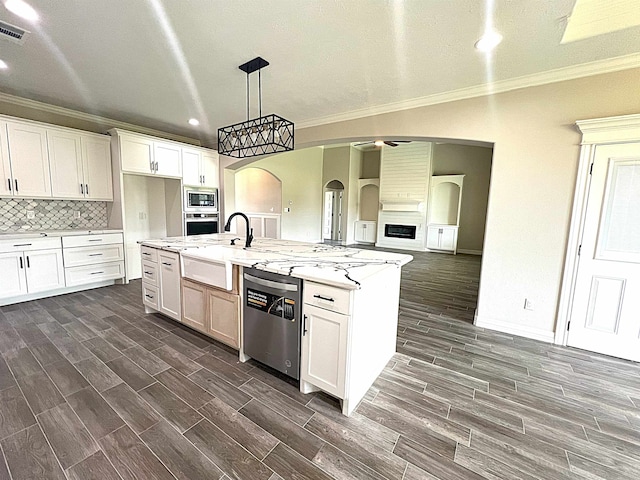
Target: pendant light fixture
{"x": 256, "y": 136}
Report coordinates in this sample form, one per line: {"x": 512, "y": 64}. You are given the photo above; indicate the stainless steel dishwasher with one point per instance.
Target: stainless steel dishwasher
{"x": 271, "y": 320}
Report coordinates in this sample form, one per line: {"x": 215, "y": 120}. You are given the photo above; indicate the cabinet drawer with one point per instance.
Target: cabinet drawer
{"x": 93, "y": 273}
{"x": 149, "y": 254}
{"x": 150, "y": 272}
{"x": 91, "y": 240}
{"x": 150, "y": 295}
{"x": 327, "y": 297}
{"x": 74, "y": 257}
{"x": 29, "y": 244}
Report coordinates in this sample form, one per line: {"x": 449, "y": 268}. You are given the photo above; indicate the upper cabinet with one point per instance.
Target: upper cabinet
{"x": 147, "y": 156}
{"x": 200, "y": 167}
{"x": 38, "y": 161}
{"x": 29, "y": 160}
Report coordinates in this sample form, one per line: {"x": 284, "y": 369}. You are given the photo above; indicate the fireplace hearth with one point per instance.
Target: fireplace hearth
{"x": 407, "y": 232}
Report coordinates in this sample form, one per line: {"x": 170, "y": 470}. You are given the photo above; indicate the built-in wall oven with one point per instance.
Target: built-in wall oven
{"x": 200, "y": 223}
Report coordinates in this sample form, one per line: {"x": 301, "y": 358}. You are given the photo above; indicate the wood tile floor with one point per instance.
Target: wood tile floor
{"x": 92, "y": 388}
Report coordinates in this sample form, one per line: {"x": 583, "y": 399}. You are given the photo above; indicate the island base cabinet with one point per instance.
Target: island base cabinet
{"x": 214, "y": 312}
{"x": 169, "y": 284}
{"x": 224, "y": 314}
{"x": 324, "y": 350}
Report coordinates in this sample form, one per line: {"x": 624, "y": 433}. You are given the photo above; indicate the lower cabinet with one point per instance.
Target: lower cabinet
{"x": 211, "y": 311}
{"x": 324, "y": 349}
{"x": 442, "y": 237}
{"x": 365, "y": 231}
{"x": 169, "y": 268}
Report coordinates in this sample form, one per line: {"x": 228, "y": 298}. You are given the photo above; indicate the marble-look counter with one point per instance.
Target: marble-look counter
{"x": 344, "y": 267}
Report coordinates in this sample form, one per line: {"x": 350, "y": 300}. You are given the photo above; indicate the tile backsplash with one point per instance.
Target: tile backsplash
{"x": 50, "y": 215}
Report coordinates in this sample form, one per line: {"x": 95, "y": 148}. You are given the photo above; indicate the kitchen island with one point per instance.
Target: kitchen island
{"x": 349, "y": 301}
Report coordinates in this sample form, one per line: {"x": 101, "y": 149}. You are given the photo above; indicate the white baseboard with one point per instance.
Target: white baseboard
{"x": 510, "y": 328}
{"x": 470, "y": 252}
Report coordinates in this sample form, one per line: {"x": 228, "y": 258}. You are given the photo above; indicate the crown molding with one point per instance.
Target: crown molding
{"x": 552, "y": 76}
{"x": 109, "y": 123}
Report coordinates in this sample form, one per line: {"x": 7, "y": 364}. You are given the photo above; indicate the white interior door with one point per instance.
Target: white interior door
{"x": 328, "y": 215}
{"x": 606, "y": 302}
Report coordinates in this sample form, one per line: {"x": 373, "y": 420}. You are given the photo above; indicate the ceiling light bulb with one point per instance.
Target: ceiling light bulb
{"x": 194, "y": 121}
{"x": 488, "y": 41}
{"x": 3, "y": 65}
{"x": 378, "y": 143}
{"x": 22, "y": 9}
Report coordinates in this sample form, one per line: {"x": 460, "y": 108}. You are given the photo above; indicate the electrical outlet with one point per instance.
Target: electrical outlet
{"x": 31, "y": 214}
{"x": 76, "y": 214}
{"x": 528, "y": 304}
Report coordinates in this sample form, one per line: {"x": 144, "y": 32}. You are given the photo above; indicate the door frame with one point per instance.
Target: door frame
{"x": 599, "y": 131}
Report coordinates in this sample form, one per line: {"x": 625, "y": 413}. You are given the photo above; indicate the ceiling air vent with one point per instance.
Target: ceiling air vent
{"x": 13, "y": 33}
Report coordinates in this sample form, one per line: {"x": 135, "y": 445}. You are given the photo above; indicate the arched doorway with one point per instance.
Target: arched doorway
{"x": 332, "y": 214}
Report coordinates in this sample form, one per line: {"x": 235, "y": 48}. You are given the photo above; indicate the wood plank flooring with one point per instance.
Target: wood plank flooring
{"x": 92, "y": 388}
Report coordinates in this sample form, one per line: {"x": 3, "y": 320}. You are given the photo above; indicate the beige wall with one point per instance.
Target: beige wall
{"x": 370, "y": 167}
{"x": 475, "y": 164}
{"x": 257, "y": 191}
{"x": 300, "y": 172}
{"x": 532, "y": 183}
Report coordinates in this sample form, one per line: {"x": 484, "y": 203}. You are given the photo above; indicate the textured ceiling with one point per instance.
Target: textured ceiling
{"x": 158, "y": 63}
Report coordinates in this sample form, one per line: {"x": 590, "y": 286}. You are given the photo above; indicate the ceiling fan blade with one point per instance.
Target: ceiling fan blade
{"x": 391, "y": 144}
{"x": 359, "y": 144}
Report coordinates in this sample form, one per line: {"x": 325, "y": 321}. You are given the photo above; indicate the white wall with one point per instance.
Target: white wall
{"x": 533, "y": 175}
{"x": 257, "y": 191}
{"x": 475, "y": 164}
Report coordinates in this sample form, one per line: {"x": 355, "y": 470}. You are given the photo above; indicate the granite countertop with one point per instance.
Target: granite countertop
{"x": 345, "y": 267}
{"x": 56, "y": 233}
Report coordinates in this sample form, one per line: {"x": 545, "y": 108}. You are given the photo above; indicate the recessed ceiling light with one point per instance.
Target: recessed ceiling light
{"x": 3, "y": 65}
{"x": 194, "y": 121}
{"x": 22, "y": 9}
{"x": 378, "y": 143}
{"x": 490, "y": 40}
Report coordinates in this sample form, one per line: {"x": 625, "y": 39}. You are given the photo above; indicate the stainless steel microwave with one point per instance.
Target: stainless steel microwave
{"x": 202, "y": 200}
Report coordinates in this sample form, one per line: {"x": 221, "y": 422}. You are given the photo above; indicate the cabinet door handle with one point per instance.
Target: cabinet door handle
{"x": 324, "y": 298}
{"x": 28, "y": 263}
{"x": 21, "y": 264}
{"x": 95, "y": 255}
{"x": 148, "y": 273}
{"x": 21, "y": 244}
{"x": 9, "y": 181}
{"x": 304, "y": 325}
{"x": 146, "y": 253}
{"x": 168, "y": 264}
{"x": 16, "y": 182}
{"x": 157, "y": 166}
{"x": 95, "y": 273}
{"x": 86, "y": 188}
{"x": 149, "y": 296}
{"x": 95, "y": 239}
{"x": 82, "y": 189}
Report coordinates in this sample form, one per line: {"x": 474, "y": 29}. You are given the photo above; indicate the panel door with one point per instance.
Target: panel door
{"x": 194, "y": 305}
{"x": 13, "y": 280}
{"x": 360, "y": 233}
{"x": 96, "y": 161}
{"x": 223, "y": 310}
{"x": 370, "y": 232}
{"x": 324, "y": 349}
{"x": 327, "y": 222}
{"x": 45, "y": 270}
{"x": 271, "y": 227}
{"x": 448, "y": 238}
{"x": 606, "y": 302}
{"x": 168, "y": 159}
{"x": 6, "y": 181}
{"x": 65, "y": 156}
{"x": 136, "y": 154}
{"x": 210, "y": 170}
{"x": 29, "y": 160}
{"x": 169, "y": 284}
{"x": 191, "y": 174}
{"x": 433, "y": 237}
{"x": 256, "y": 223}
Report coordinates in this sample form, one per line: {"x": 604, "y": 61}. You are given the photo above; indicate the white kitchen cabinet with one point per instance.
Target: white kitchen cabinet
{"x": 442, "y": 237}
{"x": 324, "y": 349}
{"x": 223, "y": 312}
{"x": 93, "y": 258}
{"x": 13, "y": 281}
{"x": 96, "y": 168}
{"x": 44, "y": 270}
{"x": 136, "y": 154}
{"x": 6, "y": 180}
{"x": 65, "y": 156}
{"x": 200, "y": 168}
{"x": 29, "y": 160}
{"x": 365, "y": 231}
{"x": 168, "y": 159}
{"x": 169, "y": 268}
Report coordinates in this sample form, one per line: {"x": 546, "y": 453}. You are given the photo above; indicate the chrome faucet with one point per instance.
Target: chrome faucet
{"x": 227, "y": 227}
